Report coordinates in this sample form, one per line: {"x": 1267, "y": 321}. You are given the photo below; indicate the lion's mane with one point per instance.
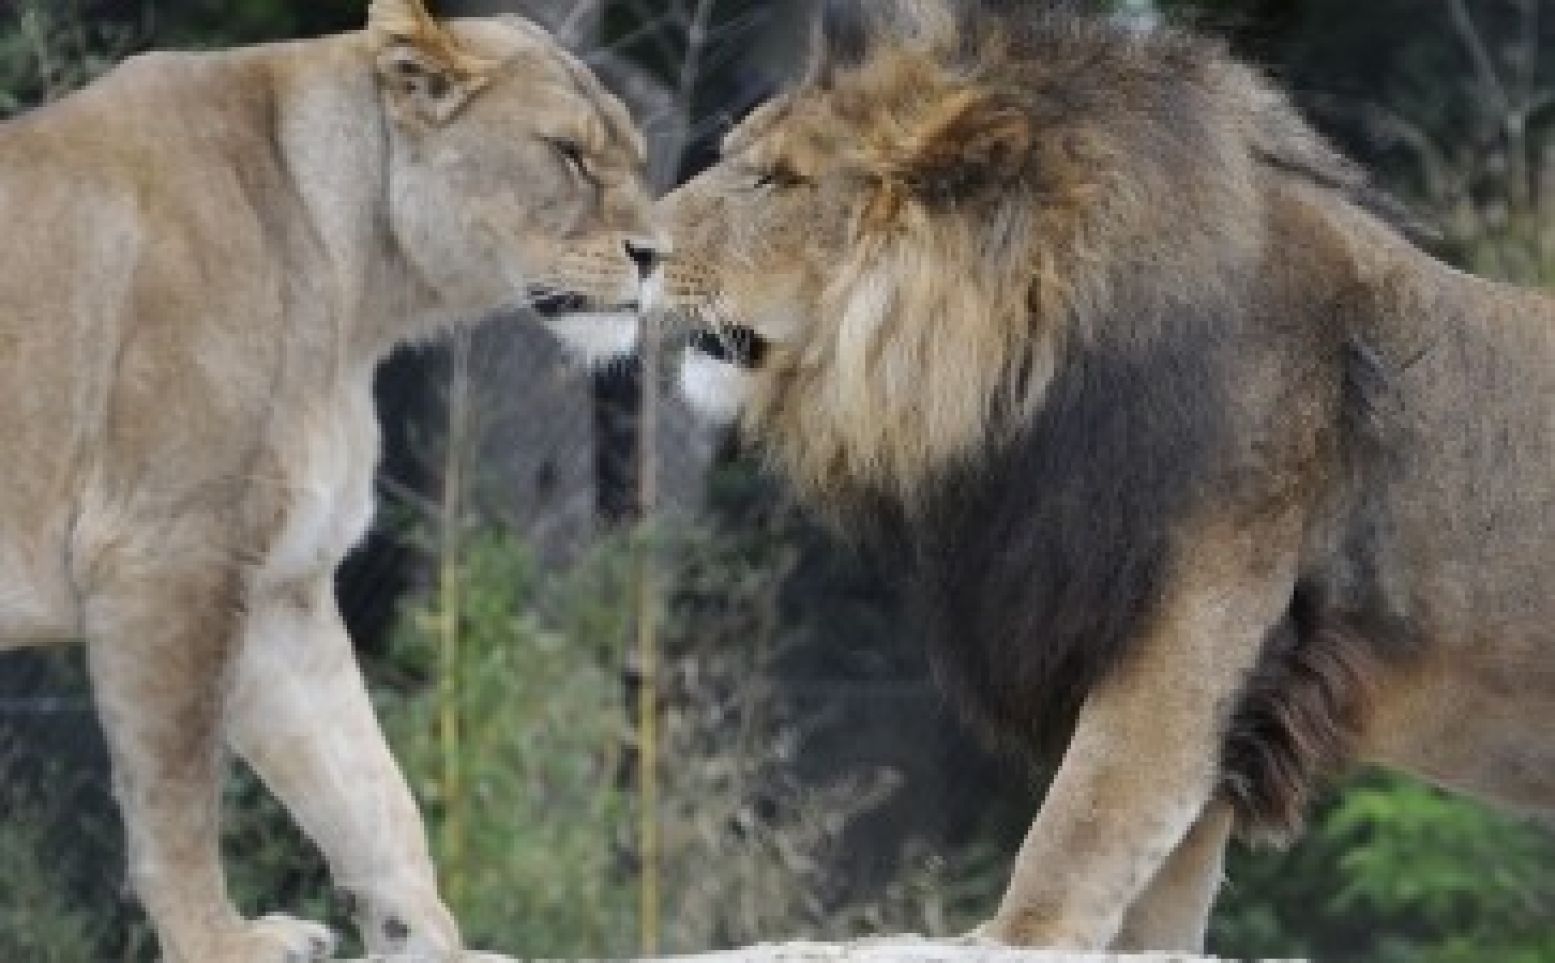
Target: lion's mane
{"x": 1025, "y": 390}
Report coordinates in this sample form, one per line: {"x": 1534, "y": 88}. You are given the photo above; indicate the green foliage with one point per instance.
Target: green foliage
{"x": 48, "y": 49}
{"x": 38, "y": 919}
{"x": 1393, "y": 870}
{"x": 1472, "y": 884}
{"x": 545, "y": 860}
{"x": 203, "y": 23}
{"x": 749, "y": 845}
{"x": 539, "y": 804}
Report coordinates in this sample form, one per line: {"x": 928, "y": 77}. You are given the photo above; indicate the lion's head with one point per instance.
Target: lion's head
{"x": 893, "y": 258}
{"x": 552, "y": 213}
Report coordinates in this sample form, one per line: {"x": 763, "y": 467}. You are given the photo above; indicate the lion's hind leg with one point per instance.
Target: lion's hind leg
{"x": 300, "y": 715}
{"x": 1172, "y": 914}
{"x": 158, "y": 645}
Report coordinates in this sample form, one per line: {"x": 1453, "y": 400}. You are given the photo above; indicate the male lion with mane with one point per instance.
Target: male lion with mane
{"x": 209, "y": 255}
{"x": 1189, "y": 451}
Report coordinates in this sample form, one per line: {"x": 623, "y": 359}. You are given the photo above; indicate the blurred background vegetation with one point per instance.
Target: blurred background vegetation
{"x": 808, "y": 781}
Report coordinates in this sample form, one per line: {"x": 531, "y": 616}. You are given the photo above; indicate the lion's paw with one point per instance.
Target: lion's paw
{"x": 1025, "y": 931}
{"x": 984, "y": 935}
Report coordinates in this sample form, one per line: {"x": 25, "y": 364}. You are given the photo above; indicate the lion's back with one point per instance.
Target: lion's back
{"x": 1471, "y": 493}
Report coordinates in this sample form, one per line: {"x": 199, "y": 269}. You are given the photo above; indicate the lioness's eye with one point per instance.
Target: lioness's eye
{"x": 572, "y": 155}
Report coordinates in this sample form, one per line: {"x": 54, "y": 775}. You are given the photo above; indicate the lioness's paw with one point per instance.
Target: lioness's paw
{"x": 281, "y": 939}
{"x": 271, "y": 940}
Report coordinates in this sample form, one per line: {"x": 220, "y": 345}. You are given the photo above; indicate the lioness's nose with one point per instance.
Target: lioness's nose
{"x": 645, "y": 256}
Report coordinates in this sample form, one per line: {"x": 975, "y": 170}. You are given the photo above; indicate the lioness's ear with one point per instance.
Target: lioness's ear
{"x": 969, "y": 140}
{"x": 425, "y": 75}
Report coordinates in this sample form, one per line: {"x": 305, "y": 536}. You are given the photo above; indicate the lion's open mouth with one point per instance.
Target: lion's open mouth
{"x": 732, "y": 344}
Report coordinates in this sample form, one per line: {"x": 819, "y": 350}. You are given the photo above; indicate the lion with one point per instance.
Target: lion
{"x": 1193, "y": 456}
{"x": 211, "y": 252}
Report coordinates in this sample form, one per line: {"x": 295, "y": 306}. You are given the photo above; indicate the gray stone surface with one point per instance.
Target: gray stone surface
{"x": 907, "y": 949}
{"x": 898, "y": 949}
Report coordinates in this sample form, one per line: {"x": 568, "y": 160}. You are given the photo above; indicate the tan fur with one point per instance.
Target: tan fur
{"x": 1172, "y": 913}
{"x": 210, "y": 254}
{"x": 1355, "y": 557}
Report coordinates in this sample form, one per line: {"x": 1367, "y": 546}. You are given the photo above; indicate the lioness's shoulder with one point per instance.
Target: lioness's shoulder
{"x": 184, "y": 98}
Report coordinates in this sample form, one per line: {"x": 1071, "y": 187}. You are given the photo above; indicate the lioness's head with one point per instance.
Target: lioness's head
{"x": 893, "y": 258}
{"x": 515, "y": 177}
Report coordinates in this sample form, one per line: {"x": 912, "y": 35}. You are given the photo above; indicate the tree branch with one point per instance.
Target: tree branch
{"x": 573, "y": 30}
{"x": 1527, "y": 66}
{"x": 1479, "y": 54}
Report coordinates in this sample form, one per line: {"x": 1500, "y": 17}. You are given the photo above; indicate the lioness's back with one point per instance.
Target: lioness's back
{"x": 124, "y": 204}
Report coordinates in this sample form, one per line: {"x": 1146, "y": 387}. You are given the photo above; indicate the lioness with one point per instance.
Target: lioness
{"x": 209, "y": 254}
{"x": 1190, "y": 452}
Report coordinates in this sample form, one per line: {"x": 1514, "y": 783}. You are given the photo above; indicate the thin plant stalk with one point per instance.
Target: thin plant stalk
{"x": 647, "y": 604}
{"x": 450, "y": 724}
{"x": 651, "y": 855}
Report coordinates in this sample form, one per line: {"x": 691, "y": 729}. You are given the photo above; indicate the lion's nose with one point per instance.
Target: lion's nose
{"x": 645, "y": 256}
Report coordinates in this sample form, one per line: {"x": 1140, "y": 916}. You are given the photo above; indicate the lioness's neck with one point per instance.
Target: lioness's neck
{"x": 301, "y": 125}
{"x": 331, "y": 132}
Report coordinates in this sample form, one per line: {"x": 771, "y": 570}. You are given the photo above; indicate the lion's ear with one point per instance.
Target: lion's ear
{"x": 425, "y": 75}
{"x": 970, "y": 140}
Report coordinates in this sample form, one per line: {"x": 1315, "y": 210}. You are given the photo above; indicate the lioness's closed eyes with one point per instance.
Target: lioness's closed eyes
{"x": 207, "y": 256}
{"x": 1190, "y": 452}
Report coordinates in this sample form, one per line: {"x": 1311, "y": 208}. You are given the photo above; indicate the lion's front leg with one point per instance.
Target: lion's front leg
{"x": 1144, "y": 762}
{"x": 300, "y": 715}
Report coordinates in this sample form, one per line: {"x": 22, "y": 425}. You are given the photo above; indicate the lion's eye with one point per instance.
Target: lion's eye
{"x": 777, "y": 178}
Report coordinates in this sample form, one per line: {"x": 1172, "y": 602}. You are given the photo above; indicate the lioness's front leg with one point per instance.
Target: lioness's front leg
{"x": 1145, "y": 758}
{"x": 300, "y": 715}
{"x": 158, "y": 646}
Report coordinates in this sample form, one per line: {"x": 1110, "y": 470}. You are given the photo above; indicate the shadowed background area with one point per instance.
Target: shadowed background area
{"x": 812, "y": 783}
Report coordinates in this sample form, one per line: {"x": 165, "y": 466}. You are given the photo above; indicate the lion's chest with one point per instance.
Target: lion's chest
{"x": 324, "y": 461}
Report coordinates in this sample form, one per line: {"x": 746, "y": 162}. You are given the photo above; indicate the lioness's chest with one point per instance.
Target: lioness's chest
{"x": 324, "y": 458}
